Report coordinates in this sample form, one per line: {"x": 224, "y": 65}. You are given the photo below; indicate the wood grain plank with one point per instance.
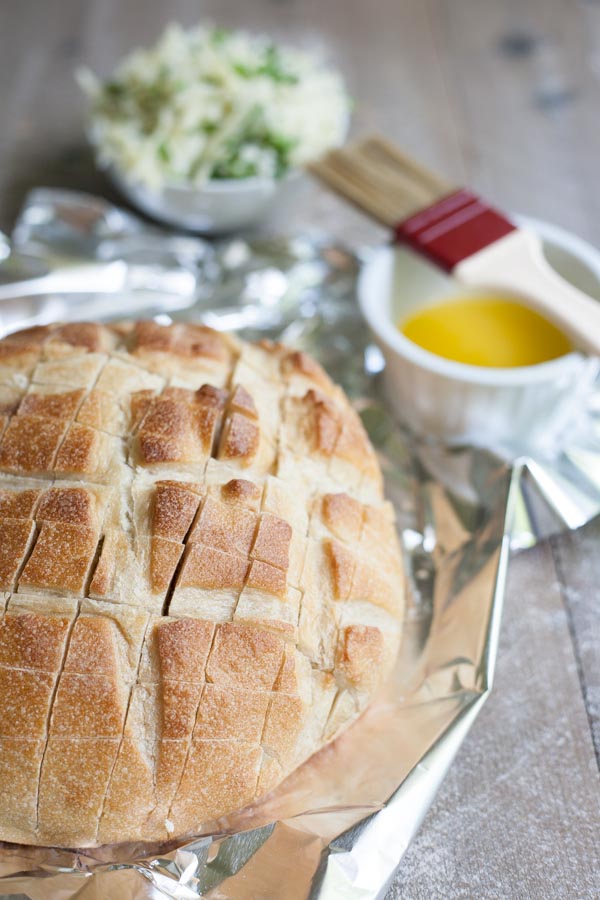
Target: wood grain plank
{"x": 522, "y": 84}
{"x": 577, "y": 564}
{"x": 519, "y": 813}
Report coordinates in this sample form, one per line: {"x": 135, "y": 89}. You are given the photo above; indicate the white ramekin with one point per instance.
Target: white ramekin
{"x": 510, "y": 410}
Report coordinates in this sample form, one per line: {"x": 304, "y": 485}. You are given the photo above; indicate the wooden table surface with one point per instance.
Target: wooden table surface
{"x": 505, "y": 95}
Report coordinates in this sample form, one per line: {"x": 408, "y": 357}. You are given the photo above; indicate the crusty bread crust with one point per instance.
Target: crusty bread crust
{"x": 201, "y": 582}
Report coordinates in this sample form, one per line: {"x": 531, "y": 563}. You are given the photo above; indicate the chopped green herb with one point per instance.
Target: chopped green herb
{"x": 215, "y": 80}
{"x": 271, "y": 67}
{"x": 243, "y": 70}
{"x": 199, "y": 84}
{"x": 114, "y": 89}
{"x": 218, "y": 36}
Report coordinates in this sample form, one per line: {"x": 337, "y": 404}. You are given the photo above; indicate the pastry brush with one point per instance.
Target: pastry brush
{"x": 459, "y": 232}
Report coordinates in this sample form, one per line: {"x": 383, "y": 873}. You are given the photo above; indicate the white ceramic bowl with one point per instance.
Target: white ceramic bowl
{"x": 217, "y": 207}
{"x": 510, "y": 410}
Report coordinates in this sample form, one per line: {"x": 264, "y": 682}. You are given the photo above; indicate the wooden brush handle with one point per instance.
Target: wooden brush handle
{"x": 516, "y": 263}
{"x": 458, "y": 231}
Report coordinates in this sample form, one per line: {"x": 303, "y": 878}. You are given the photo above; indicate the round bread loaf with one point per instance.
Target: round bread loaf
{"x": 202, "y": 581}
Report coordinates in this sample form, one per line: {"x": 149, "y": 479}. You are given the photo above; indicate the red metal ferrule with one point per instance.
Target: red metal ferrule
{"x": 453, "y": 229}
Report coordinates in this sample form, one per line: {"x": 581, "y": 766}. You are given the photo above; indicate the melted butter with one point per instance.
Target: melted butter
{"x": 485, "y": 330}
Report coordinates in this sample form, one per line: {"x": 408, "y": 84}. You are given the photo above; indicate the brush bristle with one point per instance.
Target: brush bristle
{"x": 381, "y": 180}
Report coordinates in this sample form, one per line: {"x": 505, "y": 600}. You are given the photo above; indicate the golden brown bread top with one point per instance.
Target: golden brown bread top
{"x": 200, "y": 578}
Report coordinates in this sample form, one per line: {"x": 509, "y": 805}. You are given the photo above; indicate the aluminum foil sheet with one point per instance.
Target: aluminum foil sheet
{"x": 338, "y": 827}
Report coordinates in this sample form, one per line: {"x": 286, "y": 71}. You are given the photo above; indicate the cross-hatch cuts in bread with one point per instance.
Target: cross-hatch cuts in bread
{"x": 201, "y": 580}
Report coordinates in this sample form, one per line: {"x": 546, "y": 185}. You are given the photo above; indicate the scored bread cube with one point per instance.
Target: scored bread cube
{"x": 50, "y": 402}
{"x": 72, "y": 371}
{"x": 121, "y": 378}
{"x": 284, "y": 722}
{"x": 26, "y": 705}
{"x": 374, "y": 586}
{"x": 179, "y": 702}
{"x": 301, "y": 373}
{"x": 176, "y": 430}
{"x": 89, "y": 336}
{"x": 263, "y": 359}
{"x": 73, "y": 782}
{"x": 310, "y": 425}
{"x": 30, "y": 444}
{"x": 107, "y": 640}
{"x": 86, "y": 452}
{"x": 101, "y": 665}
{"x": 88, "y": 706}
{"x": 235, "y": 647}
{"x": 173, "y": 509}
{"x": 123, "y": 574}
{"x": 176, "y": 650}
{"x": 61, "y": 559}
{"x": 17, "y": 538}
{"x": 234, "y": 766}
{"x": 20, "y": 760}
{"x": 243, "y": 443}
{"x": 282, "y": 498}
{"x": 209, "y": 583}
{"x": 317, "y": 628}
{"x": 164, "y": 560}
{"x": 190, "y": 354}
{"x": 18, "y": 359}
{"x": 276, "y": 613}
{"x": 105, "y": 412}
{"x": 33, "y": 632}
{"x": 225, "y": 713}
{"x": 77, "y": 505}
{"x": 17, "y": 499}
{"x": 272, "y": 542}
{"x": 338, "y": 515}
{"x": 224, "y": 526}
